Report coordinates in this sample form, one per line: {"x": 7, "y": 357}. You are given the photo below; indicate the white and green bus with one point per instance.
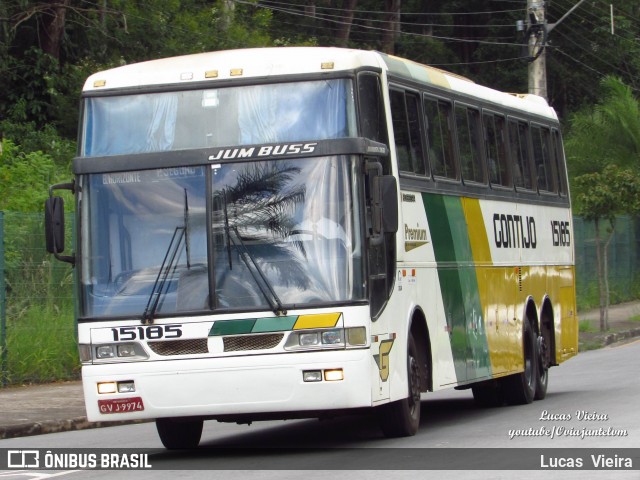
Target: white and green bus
{"x": 305, "y": 232}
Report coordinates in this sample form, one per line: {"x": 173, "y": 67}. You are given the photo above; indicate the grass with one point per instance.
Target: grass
{"x": 41, "y": 346}
{"x": 585, "y": 326}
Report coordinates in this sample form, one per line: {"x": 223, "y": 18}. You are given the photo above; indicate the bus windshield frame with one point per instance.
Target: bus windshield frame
{"x": 270, "y": 234}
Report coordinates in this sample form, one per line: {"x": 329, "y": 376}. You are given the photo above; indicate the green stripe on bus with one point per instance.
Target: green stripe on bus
{"x": 252, "y": 325}
{"x": 274, "y": 324}
{"x": 232, "y": 327}
{"x": 459, "y": 286}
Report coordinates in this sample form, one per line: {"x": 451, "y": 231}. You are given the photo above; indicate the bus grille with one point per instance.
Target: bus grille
{"x": 252, "y": 342}
{"x": 180, "y": 347}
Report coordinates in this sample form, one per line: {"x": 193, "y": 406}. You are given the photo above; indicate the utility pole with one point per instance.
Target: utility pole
{"x": 537, "y": 32}
{"x": 537, "y": 41}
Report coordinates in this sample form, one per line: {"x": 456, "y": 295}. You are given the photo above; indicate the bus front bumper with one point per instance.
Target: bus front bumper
{"x": 230, "y": 386}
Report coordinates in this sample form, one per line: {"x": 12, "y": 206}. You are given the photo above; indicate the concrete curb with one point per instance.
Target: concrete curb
{"x": 618, "y": 336}
{"x": 56, "y": 426}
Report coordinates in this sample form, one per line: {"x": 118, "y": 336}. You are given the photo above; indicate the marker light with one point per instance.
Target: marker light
{"x": 334, "y": 375}
{"x": 356, "y": 336}
{"x": 107, "y": 387}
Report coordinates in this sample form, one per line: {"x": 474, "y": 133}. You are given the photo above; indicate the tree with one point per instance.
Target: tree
{"x": 601, "y": 197}
{"x": 603, "y": 150}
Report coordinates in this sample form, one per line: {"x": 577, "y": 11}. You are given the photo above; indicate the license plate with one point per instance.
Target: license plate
{"x": 121, "y": 405}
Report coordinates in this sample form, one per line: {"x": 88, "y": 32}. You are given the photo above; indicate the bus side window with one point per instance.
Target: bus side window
{"x": 439, "y": 122}
{"x": 371, "y": 108}
{"x": 558, "y": 159}
{"x": 497, "y": 158}
{"x": 469, "y": 143}
{"x": 544, "y": 167}
{"x": 405, "y": 114}
{"x": 519, "y": 150}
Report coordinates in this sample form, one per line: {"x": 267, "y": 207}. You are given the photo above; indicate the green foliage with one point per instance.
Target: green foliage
{"x": 585, "y": 326}
{"x": 40, "y": 328}
{"x": 605, "y": 133}
{"x": 29, "y": 138}
{"x": 41, "y": 346}
{"x": 607, "y": 194}
{"x": 25, "y": 178}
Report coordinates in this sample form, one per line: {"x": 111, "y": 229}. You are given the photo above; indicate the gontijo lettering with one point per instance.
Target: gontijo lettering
{"x": 514, "y": 231}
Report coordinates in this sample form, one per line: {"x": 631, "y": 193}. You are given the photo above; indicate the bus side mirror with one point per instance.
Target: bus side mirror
{"x": 54, "y": 224}
{"x": 385, "y": 204}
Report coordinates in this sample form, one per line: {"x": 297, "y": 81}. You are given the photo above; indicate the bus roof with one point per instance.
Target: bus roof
{"x": 272, "y": 61}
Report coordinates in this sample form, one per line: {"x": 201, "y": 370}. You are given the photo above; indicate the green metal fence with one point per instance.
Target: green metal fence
{"x": 38, "y": 335}
{"x": 623, "y": 261}
{"x": 4, "y": 375}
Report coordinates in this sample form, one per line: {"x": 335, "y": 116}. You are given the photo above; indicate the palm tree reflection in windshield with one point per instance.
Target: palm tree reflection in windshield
{"x": 256, "y": 210}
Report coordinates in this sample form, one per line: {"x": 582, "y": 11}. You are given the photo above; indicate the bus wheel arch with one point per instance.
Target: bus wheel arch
{"x": 420, "y": 333}
{"x": 520, "y": 389}
{"x": 402, "y": 417}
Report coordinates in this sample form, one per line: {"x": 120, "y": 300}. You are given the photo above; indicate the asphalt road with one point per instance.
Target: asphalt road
{"x": 592, "y": 404}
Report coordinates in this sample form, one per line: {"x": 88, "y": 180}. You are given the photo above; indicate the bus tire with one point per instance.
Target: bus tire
{"x": 489, "y": 394}
{"x": 520, "y": 389}
{"x": 542, "y": 373}
{"x": 402, "y": 418}
{"x": 176, "y": 433}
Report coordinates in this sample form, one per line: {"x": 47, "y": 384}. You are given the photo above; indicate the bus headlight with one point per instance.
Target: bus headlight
{"x": 112, "y": 352}
{"x": 327, "y": 338}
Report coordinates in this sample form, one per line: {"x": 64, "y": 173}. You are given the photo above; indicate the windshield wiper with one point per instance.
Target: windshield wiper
{"x": 256, "y": 272}
{"x": 169, "y": 264}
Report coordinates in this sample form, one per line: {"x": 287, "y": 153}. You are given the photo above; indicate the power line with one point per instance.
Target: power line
{"x": 383, "y": 12}
{"x": 380, "y": 29}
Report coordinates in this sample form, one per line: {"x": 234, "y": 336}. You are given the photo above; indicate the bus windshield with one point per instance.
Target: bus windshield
{"x": 154, "y": 243}
{"x": 215, "y": 117}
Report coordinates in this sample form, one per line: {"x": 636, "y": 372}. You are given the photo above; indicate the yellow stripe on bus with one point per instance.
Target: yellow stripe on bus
{"x": 477, "y": 231}
{"x": 319, "y": 320}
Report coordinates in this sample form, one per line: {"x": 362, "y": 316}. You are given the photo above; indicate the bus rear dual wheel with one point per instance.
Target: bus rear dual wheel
{"x": 524, "y": 387}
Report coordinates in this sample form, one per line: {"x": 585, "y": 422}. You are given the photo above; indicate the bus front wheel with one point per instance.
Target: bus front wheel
{"x": 176, "y": 433}
{"x": 402, "y": 418}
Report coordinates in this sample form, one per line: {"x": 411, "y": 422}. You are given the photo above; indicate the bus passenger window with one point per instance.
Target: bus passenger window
{"x": 544, "y": 167}
{"x": 558, "y": 160}
{"x": 519, "y": 150}
{"x": 405, "y": 115}
{"x": 372, "y": 120}
{"x": 496, "y": 151}
{"x": 469, "y": 141}
{"x": 439, "y": 122}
